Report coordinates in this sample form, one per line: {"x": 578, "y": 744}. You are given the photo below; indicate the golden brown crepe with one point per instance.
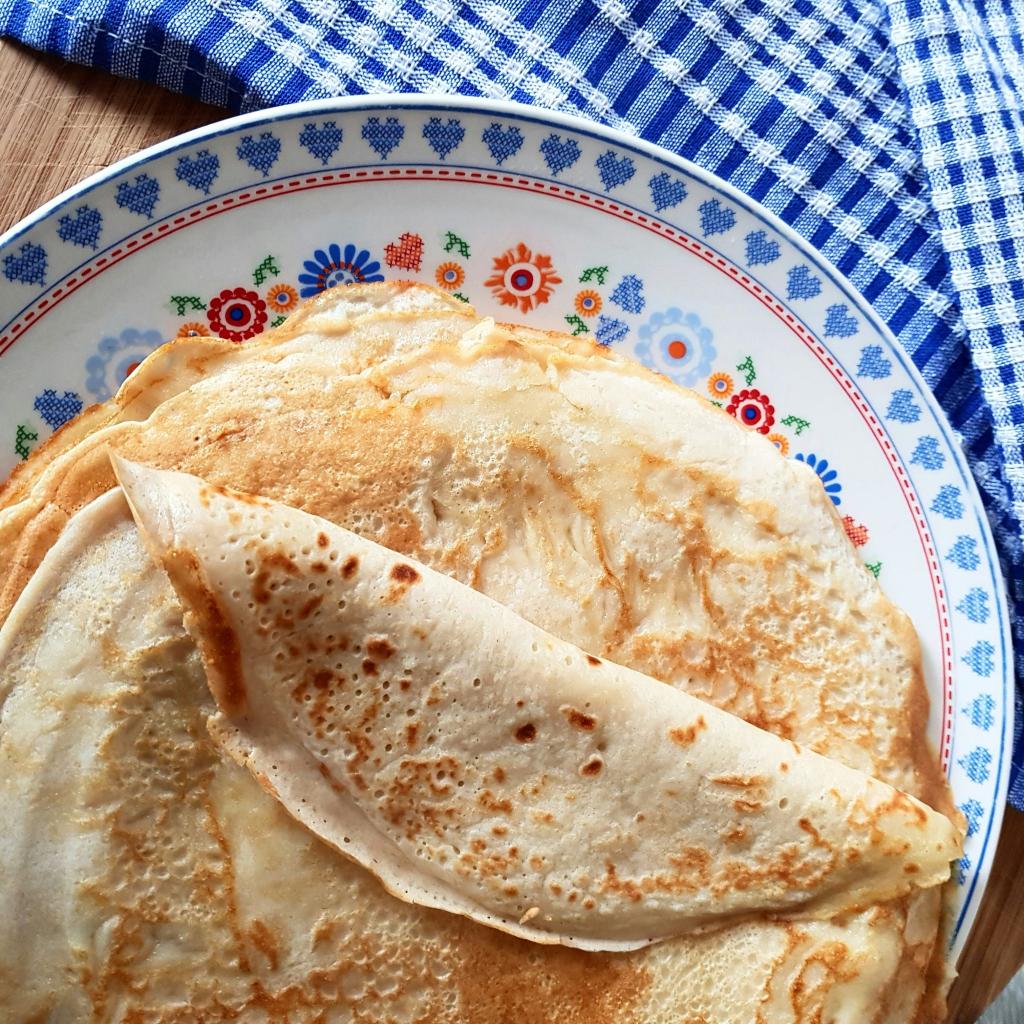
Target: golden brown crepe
{"x": 477, "y": 764}
{"x": 589, "y": 496}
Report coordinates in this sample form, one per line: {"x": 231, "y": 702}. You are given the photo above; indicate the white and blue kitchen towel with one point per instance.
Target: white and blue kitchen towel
{"x": 889, "y": 133}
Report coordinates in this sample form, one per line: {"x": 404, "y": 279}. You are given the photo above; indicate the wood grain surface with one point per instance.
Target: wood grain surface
{"x": 62, "y": 122}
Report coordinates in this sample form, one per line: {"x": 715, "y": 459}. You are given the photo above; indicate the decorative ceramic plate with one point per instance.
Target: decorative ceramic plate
{"x": 555, "y": 222}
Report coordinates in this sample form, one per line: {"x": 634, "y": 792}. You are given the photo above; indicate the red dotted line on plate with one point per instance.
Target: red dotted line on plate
{"x": 518, "y": 183}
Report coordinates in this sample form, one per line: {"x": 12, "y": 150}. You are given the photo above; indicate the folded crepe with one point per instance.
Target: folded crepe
{"x": 148, "y": 872}
{"x": 479, "y": 765}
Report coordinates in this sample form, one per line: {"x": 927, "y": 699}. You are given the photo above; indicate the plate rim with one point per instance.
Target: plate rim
{"x": 584, "y": 126}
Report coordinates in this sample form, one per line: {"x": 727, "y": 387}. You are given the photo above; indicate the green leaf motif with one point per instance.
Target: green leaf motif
{"x": 577, "y": 325}
{"x": 453, "y": 242}
{"x": 797, "y": 425}
{"x": 23, "y": 439}
{"x": 267, "y": 268}
{"x": 183, "y": 303}
{"x": 594, "y": 273}
{"x": 748, "y": 371}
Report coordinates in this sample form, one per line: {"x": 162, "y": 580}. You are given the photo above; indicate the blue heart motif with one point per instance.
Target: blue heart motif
{"x": 902, "y": 407}
{"x": 28, "y": 267}
{"x": 964, "y": 553}
{"x": 444, "y": 137}
{"x": 259, "y": 153}
{"x": 199, "y": 171}
{"x": 963, "y": 865}
{"x": 502, "y": 142}
{"x": 57, "y": 409}
{"x": 979, "y": 658}
{"x": 610, "y": 330}
{"x": 928, "y": 454}
{"x": 614, "y": 170}
{"x": 715, "y": 218}
{"x": 559, "y": 153}
{"x": 979, "y": 711}
{"x": 140, "y": 196}
{"x": 947, "y": 502}
{"x": 383, "y": 136}
{"x": 976, "y": 764}
{"x": 322, "y": 142}
{"x": 839, "y": 322}
{"x": 973, "y": 812}
{"x": 761, "y": 249}
{"x": 975, "y": 605}
{"x": 873, "y": 363}
{"x": 629, "y": 294}
{"x": 83, "y": 228}
{"x": 666, "y": 191}
{"x": 802, "y": 284}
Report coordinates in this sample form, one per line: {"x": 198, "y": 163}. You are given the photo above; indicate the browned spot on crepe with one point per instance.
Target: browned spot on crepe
{"x": 215, "y": 634}
{"x": 684, "y": 736}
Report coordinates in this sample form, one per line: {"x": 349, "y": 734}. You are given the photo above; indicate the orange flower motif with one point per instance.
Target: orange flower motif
{"x": 449, "y": 276}
{"x": 522, "y": 278}
{"x": 588, "y": 302}
{"x": 780, "y": 441}
{"x": 282, "y": 298}
{"x": 719, "y": 385}
{"x": 193, "y": 329}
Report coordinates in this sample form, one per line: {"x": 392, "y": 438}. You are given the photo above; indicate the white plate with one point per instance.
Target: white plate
{"x": 556, "y": 222}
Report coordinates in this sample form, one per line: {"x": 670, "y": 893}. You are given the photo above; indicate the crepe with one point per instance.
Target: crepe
{"x": 586, "y": 494}
{"x": 479, "y": 765}
{"x": 644, "y": 519}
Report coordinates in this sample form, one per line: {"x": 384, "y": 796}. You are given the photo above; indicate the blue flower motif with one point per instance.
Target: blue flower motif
{"x": 828, "y": 476}
{"x": 326, "y": 269}
{"x": 676, "y": 344}
{"x": 115, "y": 358}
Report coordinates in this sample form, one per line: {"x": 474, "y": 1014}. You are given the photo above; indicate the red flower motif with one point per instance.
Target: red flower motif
{"x": 753, "y": 409}
{"x": 237, "y": 314}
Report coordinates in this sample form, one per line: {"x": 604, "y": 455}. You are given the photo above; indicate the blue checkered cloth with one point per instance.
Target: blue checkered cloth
{"x": 889, "y": 133}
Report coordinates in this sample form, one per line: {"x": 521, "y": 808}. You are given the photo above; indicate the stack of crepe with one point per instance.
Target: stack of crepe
{"x": 362, "y": 715}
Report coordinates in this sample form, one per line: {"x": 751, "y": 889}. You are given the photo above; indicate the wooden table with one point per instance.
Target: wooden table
{"x": 62, "y": 122}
